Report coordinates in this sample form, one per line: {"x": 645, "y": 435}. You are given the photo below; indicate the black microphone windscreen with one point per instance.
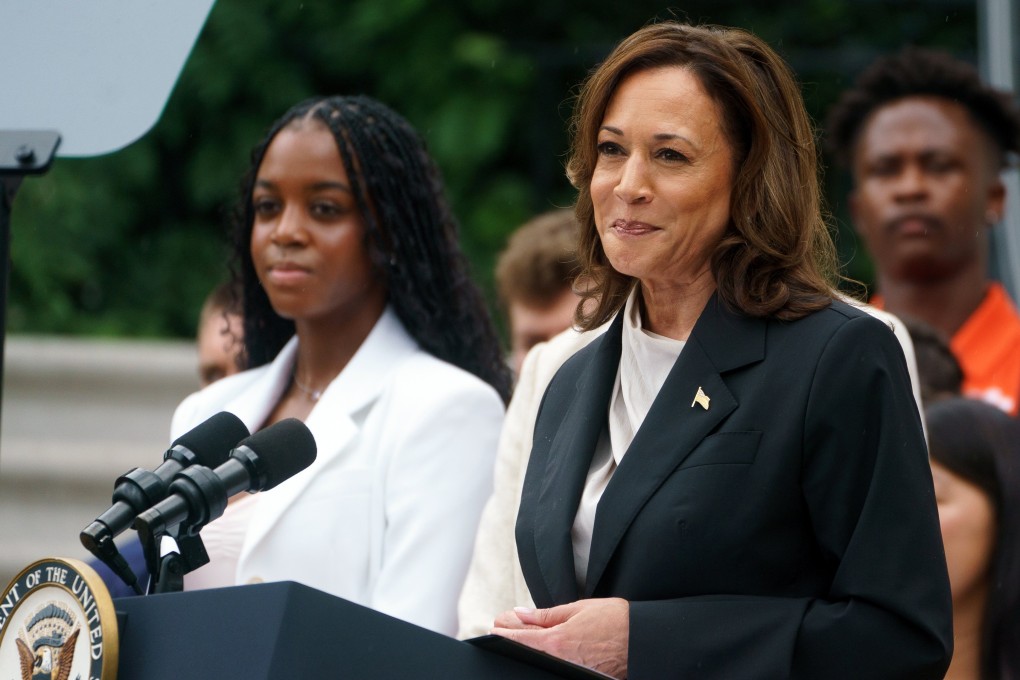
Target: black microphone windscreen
{"x": 284, "y": 449}
{"x": 212, "y": 441}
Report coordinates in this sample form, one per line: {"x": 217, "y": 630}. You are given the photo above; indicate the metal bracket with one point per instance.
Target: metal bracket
{"x": 27, "y": 152}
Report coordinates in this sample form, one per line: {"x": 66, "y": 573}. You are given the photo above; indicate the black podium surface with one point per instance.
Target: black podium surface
{"x": 289, "y": 631}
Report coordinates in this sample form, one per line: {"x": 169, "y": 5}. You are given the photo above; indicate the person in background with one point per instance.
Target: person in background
{"x": 361, "y": 319}
{"x": 535, "y": 277}
{"x": 925, "y": 141}
{"x": 220, "y": 337}
{"x": 939, "y": 372}
{"x": 975, "y": 461}
{"x": 730, "y": 479}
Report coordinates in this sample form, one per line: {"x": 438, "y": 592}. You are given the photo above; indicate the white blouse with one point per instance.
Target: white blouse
{"x": 223, "y": 539}
{"x": 645, "y": 362}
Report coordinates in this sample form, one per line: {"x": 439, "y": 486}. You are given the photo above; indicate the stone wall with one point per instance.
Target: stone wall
{"x": 76, "y": 414}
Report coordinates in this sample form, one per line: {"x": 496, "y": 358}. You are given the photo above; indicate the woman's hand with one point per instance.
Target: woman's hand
{"x": 592, "y": 633}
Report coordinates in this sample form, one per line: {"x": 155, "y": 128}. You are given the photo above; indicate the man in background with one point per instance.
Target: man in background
{"x": 925, "y": 141}
{"x": 534, "y": 278}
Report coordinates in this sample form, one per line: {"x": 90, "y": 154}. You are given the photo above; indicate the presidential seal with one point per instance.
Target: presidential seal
{"x": 57, "y": 623}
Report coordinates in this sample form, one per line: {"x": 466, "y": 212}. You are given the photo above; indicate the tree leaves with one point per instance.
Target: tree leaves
{"x": 128, "y": 244}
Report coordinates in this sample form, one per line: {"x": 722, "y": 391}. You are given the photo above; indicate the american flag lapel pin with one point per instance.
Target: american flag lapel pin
{"x": 701, "y": 399}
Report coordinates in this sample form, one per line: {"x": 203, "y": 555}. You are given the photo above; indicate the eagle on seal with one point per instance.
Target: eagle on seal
{"x": 47, "y": 663}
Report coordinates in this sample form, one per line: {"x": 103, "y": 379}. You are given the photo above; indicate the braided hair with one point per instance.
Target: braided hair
{"x": 411, "y": 236}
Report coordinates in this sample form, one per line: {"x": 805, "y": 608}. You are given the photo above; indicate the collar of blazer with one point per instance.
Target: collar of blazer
{"x": 566, "y": 434}
{"x": 331, "y": 422}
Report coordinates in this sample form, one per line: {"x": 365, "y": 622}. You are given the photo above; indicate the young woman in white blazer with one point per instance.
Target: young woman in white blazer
{"x": 361, "y": 320}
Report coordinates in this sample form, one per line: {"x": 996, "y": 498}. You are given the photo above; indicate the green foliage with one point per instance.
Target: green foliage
{"x": 128, "y": 244}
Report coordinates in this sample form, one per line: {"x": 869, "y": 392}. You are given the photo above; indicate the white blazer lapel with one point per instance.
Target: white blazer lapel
{"x": 255, "y": 403}
{"x": 332, "y": 436}
{"x": 331, "y": 420}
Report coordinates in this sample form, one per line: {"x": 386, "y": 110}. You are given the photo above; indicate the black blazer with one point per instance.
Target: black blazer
{"x": 789, "y": 530}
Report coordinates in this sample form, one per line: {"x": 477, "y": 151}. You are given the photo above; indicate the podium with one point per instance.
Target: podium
{"x": 287, "y": 631}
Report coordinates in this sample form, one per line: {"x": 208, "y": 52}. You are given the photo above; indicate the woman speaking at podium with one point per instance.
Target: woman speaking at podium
{"x": 730, "y": 480}
{"x": 361, "y": 320}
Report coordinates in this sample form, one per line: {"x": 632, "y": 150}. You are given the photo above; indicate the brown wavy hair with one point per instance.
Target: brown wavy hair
{"x": 776, "y": 258}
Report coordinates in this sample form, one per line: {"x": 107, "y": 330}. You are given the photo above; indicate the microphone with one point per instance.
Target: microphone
{"x": 198, "y": 495}
{"x": 207, "y": 444}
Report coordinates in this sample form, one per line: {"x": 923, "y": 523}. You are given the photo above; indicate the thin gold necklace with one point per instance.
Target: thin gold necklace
{"x": 312, "y": 394}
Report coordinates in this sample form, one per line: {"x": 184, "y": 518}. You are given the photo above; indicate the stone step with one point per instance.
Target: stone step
{"x": 76, "y": 415}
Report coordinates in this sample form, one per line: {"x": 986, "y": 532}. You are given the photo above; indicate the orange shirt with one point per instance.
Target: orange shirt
{"x": 987, "y": 346}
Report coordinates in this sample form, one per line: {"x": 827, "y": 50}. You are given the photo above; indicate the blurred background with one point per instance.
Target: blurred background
{"x": 129, "y": 243}
{"x": 112, "y": 256}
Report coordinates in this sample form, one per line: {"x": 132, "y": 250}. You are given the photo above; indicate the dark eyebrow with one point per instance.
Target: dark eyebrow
{"x": 664, "y": 136}
{"x": 318, "y": 186}
{"x": 660, "y": 137}
{"x": 322, "y": 186}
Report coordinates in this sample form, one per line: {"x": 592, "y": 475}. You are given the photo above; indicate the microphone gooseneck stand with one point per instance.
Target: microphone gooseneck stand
{"x": 137, "y": 489}
{"x": 206, "y": 497}
{"x": 198, "y": 495}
